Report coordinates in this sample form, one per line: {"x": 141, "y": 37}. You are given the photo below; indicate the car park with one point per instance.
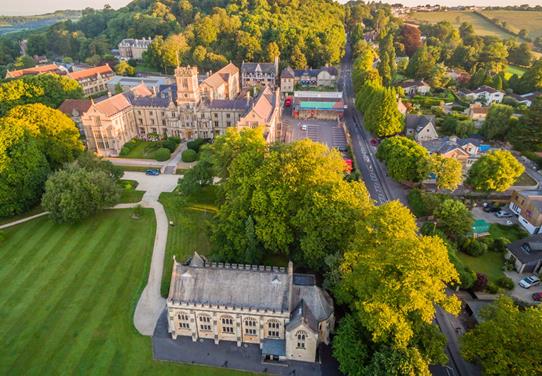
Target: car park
{"x": 504, "y": 214}
{"x": 152, "y": 172}
{"x": 529, "y": 281}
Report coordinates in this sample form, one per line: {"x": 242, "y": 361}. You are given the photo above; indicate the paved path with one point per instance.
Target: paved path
{"x": 23, "y": 220}
{"x": 151, "y": 303}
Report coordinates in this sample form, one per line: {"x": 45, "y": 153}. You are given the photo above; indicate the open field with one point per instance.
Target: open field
{"x": 481, "y": 25}
{"x": 68, "y": 296}
{"x": 517, "y": 20}
{"x": 142, "y": 150}
{"x": 191, "y": 227}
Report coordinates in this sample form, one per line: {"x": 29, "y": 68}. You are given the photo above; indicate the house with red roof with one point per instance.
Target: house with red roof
{"x": 93, "y": 80}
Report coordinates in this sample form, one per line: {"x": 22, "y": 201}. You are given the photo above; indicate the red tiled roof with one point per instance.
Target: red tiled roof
{"x": 102, "y": 69}
{"x": 221, "y": 76}
{"x": 34, "y": 70}
{"x": 69, "y": 105}
{"x": 113, "y": 105}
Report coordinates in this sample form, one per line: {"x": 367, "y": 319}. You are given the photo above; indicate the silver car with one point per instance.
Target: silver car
{"x": 529, "y": 281}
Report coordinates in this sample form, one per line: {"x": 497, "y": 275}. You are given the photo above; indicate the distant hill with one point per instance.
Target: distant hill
{"x": 10, "y": 24}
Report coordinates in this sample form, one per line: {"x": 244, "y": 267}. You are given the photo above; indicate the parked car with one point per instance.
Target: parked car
{"x": 373, "y": 141}
{"x": 537, "y": 296}
{"x": 529, "y": 281}
{"x": 152, "y": 172}
{"x": 504, "y": 214}
{"x": 304, "y": 127}
{"x": 490, "y": 208}
{"x": 288, "y": 102}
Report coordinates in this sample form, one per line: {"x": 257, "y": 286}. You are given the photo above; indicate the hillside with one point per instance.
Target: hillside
{"x": 10, "y": 24}
{"x": 517, "y": 20}
{"x": 481, "y": 25}
{"x": 206, "y": 33}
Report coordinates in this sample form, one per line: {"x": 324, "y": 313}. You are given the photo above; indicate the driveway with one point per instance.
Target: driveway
{"x": 519, "y": 293}
{"x": 151, "y": 304}
{"x": 479, "y": 213}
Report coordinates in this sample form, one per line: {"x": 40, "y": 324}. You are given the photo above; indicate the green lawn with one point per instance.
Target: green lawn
{"x": 137, "y": 168}
{"x": 68, "y": 296}
{"x": 142, "y": 150}
{"x": 512, "y": 69}
{"x": 36, "y": 210}
{"x": 191, "y": 227}
{"x": 525, "y": 180}
{"x": 129, "y": 192}
{"x": 491, "y": 262}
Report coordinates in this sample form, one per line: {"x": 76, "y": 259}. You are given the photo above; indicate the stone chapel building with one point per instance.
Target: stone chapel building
{"x": 285, "y": 313}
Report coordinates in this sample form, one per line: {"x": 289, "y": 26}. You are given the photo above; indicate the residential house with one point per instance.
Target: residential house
{"x": 184, "y": 109}
{"x": 485, "y": 94}
{"x": 421, "y": 127}
{"x": 282, "y": 311}
{"x": 466, "y": 151}
{"x": 458, "y": 75}
{"x": 323, "y": 105}
{"x": 526, "y": 99}
{"x": 75, "y": 108}
{"x": 526, "y": 254}
{"x": 224, "y": 84}
{"x": 133, "y": 49}
{"x": 401, "y": 107}
{"x": 528, "y": 206}
{"x": 38, "y": 69}
{"x": 322, "y": 77}
{"x": 259, "y": 74}
{"x": 93, "y": 80}
{"x": 412, "y": 87}
{"x": 477, "y": 113}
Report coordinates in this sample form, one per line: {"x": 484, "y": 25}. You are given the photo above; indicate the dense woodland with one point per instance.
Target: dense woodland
{"x": 206, "y": 33}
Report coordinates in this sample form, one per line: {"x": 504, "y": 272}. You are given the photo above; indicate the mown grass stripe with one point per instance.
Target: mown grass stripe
{"x": 103, "y": 298}
{"x": 16, "y": 238}
{"x": 18, "y": 252}
{"x": 64, "y": 297}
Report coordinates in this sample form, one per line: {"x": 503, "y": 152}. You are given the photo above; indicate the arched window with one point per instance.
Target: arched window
{"x": 273, "y": 328}
{"x": 204, "y": 323}
{"x": 227, "y": 324}
{"x": 301, "y": 336}
{"x": 250, "y": 326}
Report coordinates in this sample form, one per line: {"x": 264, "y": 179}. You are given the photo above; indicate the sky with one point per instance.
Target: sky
{"x": 30, "y": 7}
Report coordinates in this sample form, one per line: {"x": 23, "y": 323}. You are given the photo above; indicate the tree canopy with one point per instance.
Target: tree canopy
{"x": 495, "y": 171}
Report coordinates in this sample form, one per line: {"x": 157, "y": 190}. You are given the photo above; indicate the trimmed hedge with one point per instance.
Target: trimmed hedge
{"x": 505, "y": 283}
{"x": 170, "y": 145}
{"x": 474, "y": 247}
{"x": 189, "y": 155}
{"x": 196, "y": 144}
{"x": 162, "y": 154}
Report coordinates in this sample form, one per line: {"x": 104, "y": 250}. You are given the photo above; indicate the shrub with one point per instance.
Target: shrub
{"x": 170, "y": 145}
{"x": 473, "y": 247}
{"x": 162, "y": 154}
{"x": 505, "y": 283}
{"x": 189, "y": 155}
{"x": 480, "y": 283}
{"x": 492, "y": 288}
{"x": 499, "y": 245}
{"x": 422, "y": 203}
{"x": 176, "y": 140}
{"x": 195, "y": 144}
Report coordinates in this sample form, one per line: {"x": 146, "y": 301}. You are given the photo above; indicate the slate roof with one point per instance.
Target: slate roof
{"x": 443, "y": 145}
{"x": 235, "y": 286}
{"x": 485, "y": 89}
{"x": 234, "y": 104}
{"x": 314, "y": 72}
{"x": 412, "y": 83}
{"x": 268, "y": 68}
{"x": 287, "y": 72}
{"x": 417, "y": 122}
{"x": 528, "y": 249}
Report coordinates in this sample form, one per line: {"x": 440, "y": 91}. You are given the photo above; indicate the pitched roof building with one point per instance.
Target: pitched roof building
{"x": 286, "y": 313}
{"x": 324, "y": 76}
{"x": 421, "y": 127}
{"x": 223, "y": 84}
{"x": 133, "y": 48}
{"x": 259, "y": 74}
{"x": 93, "y": 80}
{"x": 38, "y": 69}
{"x": 526, "y": 254}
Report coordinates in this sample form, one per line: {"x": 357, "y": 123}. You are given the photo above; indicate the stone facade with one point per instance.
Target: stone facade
{"x": 259, "y": 74}
{"x": 285, "y": 313}
{"x": 132, "y": 49}
{"x": 186, "y": 109}
{"x": 93, "y": 80}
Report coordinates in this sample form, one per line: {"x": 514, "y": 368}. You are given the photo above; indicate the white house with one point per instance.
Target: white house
{"x": 485, "y": 94}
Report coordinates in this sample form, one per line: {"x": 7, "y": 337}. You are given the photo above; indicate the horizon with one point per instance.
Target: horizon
{"x": 37, "y": 7}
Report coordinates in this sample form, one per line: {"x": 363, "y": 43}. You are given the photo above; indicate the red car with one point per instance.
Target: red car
{"x": 288, "y": 102}
{"x": 373, "y": 141}
{"x": 537, "y": 296}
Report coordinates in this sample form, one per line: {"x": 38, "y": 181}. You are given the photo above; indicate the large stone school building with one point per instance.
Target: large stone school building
{"x": 285, "y": 313}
